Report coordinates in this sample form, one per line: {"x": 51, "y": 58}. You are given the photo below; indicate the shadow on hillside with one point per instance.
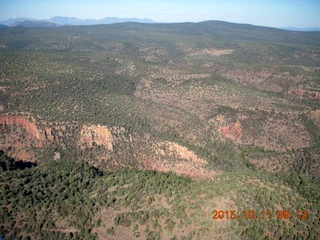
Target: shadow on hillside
{"x": 7, "y": 163}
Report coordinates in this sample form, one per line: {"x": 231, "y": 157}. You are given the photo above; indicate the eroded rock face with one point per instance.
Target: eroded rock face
{"x": 19, "y": 137}
{"x": 95, "y": 135}
{"x": 315, "y": 115}
{"x": 274, "y": 134}
{"x": 24, "y": 138}
{"x": 232, "y": 131}
{"x": 173, "y": 149}
{"x": 172, "y": 157}
{"x": 30, "y": 128}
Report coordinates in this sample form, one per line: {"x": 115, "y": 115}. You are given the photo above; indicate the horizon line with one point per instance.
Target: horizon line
{"x": 314, "y": 28}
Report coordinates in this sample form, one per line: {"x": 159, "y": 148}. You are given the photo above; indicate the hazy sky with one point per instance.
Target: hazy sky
{"x": 276, "y": 13}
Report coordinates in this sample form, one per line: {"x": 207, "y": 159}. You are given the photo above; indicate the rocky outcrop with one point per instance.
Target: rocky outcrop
{"x": 175, "y": 150}
{"x": 24, "y": 138}
{"x": 315, "y": 115}
{"x": 95, "y": 135}
{"x": 172, "y": 157}
{"x": 19, "y": 136}
{"x": 232, "y": 131}
{"x": 28, "y": 125}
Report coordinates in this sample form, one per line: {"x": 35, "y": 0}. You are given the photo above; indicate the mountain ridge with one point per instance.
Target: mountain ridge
{"x": 61, "y": 21}
{"x": 35, "y": 24}
{"x": 73, "y": 21}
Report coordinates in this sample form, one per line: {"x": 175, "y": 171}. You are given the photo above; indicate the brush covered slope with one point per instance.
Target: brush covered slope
{"x": 141, "y": 131}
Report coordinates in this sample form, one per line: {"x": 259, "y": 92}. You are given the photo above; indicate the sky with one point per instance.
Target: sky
{"x": 273, "y": 13}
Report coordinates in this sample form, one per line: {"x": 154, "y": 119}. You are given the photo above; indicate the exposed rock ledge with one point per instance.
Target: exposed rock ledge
{"x": 95, "y": 135}
{"x": 172, "y": 157}
{"x": 19, "y": 137}
{"x": 26, "y": 139}
{"x": 30, "y": 128}
{"x": 232, "y": 131}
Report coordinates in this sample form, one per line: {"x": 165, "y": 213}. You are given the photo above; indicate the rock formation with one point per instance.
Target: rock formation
{"x": 232, "y": 131}
{"x": 92, "y": 135}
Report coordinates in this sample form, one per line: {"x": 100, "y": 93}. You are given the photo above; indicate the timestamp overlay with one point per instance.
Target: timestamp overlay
{"x": 280, "y": 214}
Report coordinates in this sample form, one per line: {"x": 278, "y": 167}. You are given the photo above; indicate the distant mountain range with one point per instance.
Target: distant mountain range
{"x": 311, "y": 29}
{"x": 62, "y": 21}
{"x": 34, "y": 24}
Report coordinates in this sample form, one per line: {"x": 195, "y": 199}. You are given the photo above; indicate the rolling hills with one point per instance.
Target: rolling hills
{"x": 150, "y": 127}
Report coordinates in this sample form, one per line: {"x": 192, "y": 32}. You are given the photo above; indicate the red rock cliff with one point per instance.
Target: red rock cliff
{"x": 19, "y": 136}
{"x": 95, "y": 135}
